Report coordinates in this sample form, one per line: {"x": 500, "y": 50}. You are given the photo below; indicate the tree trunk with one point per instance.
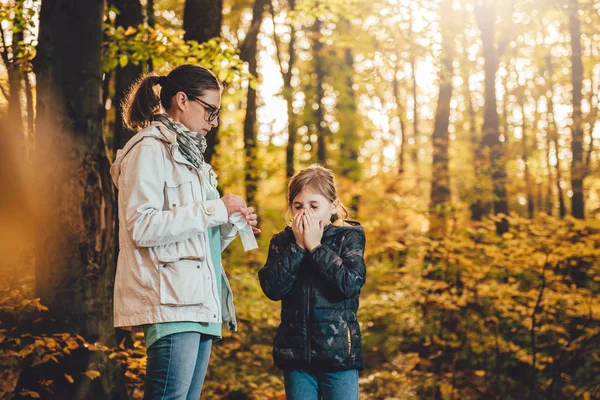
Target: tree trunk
{"x": 202, "y": 19}
{"x": 553, "y": 134}
{"x": 478, "y": 206}
{"x": 150, "y": 21}
{"x": 130, "y": 14}
{"x": 210, "y": 13}
{"x": 415, "y": 133}
{"x": 75, "y": 235}
{"x": 347, "y": 115}
{"x": 553, "y": 137}
{"x": 319, "y": 92}
{"x": 486, "y": 16}
{"x": 525, "y": 149}
{"x": 577, "y": 165}
{"x": 440, "y": 180}
{"x": 30, "y": 114}
{"x": 401, "y": 111}
{"x": 15, "y": 76}
{"x": 525, "y": 155}
{"x": 248, "y": 53}
{"x": 288, "y": 90}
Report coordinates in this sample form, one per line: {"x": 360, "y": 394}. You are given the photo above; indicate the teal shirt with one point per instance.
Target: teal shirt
{"x": 153, "y": 332}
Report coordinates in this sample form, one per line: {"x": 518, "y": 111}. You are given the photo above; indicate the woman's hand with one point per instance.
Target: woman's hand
{"x": 235, "y": 203}
{"x": 313, "y": 230}
{"x": 252, "y": 219}
{"x": 298, "y": 228}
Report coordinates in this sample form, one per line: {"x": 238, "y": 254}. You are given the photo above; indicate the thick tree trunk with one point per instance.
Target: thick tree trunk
{"x": 130, "y": 14}
{"x": 577, "y": 165}
{"x": 202, "y": 20}
{"x": 248, "y": 53}
{"x": 75, "y": 233}
{"x": 440, "y": 180}
{"x": 491, "y": 131}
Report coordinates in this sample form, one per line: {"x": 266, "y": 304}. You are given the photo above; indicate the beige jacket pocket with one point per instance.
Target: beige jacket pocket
{"x": 182, "y": 281}
{"x": 179, "y": 194}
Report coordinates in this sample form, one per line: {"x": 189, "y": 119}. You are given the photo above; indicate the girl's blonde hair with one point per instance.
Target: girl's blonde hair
{"x": 319, "y": 179}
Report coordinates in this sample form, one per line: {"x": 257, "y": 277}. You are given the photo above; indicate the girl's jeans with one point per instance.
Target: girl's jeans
{"x": 304, "y": 384}
{"x": 176, "y": 366}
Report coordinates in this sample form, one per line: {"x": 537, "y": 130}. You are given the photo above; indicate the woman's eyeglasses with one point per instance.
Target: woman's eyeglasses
{"x": 213, "y": 112}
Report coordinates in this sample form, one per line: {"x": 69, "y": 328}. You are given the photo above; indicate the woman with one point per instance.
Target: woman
{"x": 173, "y": 226}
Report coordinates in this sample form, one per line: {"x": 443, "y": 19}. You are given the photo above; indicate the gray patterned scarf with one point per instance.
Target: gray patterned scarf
{"x": 191, "y": 144}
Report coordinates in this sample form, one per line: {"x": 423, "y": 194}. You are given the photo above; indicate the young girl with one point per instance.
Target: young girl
{"x": 316, "y": 268}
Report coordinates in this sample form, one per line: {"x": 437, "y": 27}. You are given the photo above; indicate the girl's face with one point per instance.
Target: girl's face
{"x": 309, "y": 199}
{"x": 194, "y": 113}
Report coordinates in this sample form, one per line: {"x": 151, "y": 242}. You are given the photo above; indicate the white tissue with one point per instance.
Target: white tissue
{"x": 245, "y": 230}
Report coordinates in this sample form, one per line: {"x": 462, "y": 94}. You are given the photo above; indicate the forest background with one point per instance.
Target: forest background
{"x": 465, "y": 136}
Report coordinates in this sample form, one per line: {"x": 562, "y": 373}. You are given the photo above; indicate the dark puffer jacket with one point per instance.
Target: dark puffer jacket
{"x": 319, "y": 293}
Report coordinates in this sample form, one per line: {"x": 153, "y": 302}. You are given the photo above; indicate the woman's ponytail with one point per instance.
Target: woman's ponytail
{"x": 141, "y": 103}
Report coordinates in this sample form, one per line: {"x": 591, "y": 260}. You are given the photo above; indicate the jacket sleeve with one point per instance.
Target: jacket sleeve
{"x": 345, "y": 273}
{"x": 228, "y": 233}
{"x": 281, "y": 269}
{"x": 142, "y": 196}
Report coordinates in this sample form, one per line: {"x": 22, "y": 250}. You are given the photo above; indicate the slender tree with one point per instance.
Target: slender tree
{"x": 401, "y": 113}
{"x": 130, "y": 15}
{"x": 319, "y": 65}
{"x": 248, "y": 53}
{"x": 347, "y": 111}
{"x": 577, "y": 164}
{"x": 486, "y": 15}
{"x": 552, "y": 134}
{"x": 288, "y": 90}
{"x": 10, "y": 56}
{"x": 440, "y": 180}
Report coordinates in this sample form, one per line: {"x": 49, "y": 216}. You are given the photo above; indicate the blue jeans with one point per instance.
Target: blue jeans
{"x": 177, "y": 366}
{"x": 302, "y": 384}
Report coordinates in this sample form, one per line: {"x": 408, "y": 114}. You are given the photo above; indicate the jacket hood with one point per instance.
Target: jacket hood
{"x": 155, "y": 130}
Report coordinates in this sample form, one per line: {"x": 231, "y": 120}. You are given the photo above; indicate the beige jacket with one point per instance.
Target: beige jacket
{"x": 164, "y": 270}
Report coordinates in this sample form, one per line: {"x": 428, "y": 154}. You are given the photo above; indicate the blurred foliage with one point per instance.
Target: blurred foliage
{"x": 469, "y": 316}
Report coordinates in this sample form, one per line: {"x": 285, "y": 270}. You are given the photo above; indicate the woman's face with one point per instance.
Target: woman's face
{"x": 193, "y": 113}
{"x": 310, "y": 199}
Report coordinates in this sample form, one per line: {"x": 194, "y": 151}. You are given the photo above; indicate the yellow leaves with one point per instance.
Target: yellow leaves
{"x": 72, "y": 344}
{"x": 69, "y": 378}
{"x": 130, "y": 31}
{"x": 29, "y": 393}
{"x": 50, "y": 343}
{"x": 92, "y": 374}
{"x": 480, "y": 373}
